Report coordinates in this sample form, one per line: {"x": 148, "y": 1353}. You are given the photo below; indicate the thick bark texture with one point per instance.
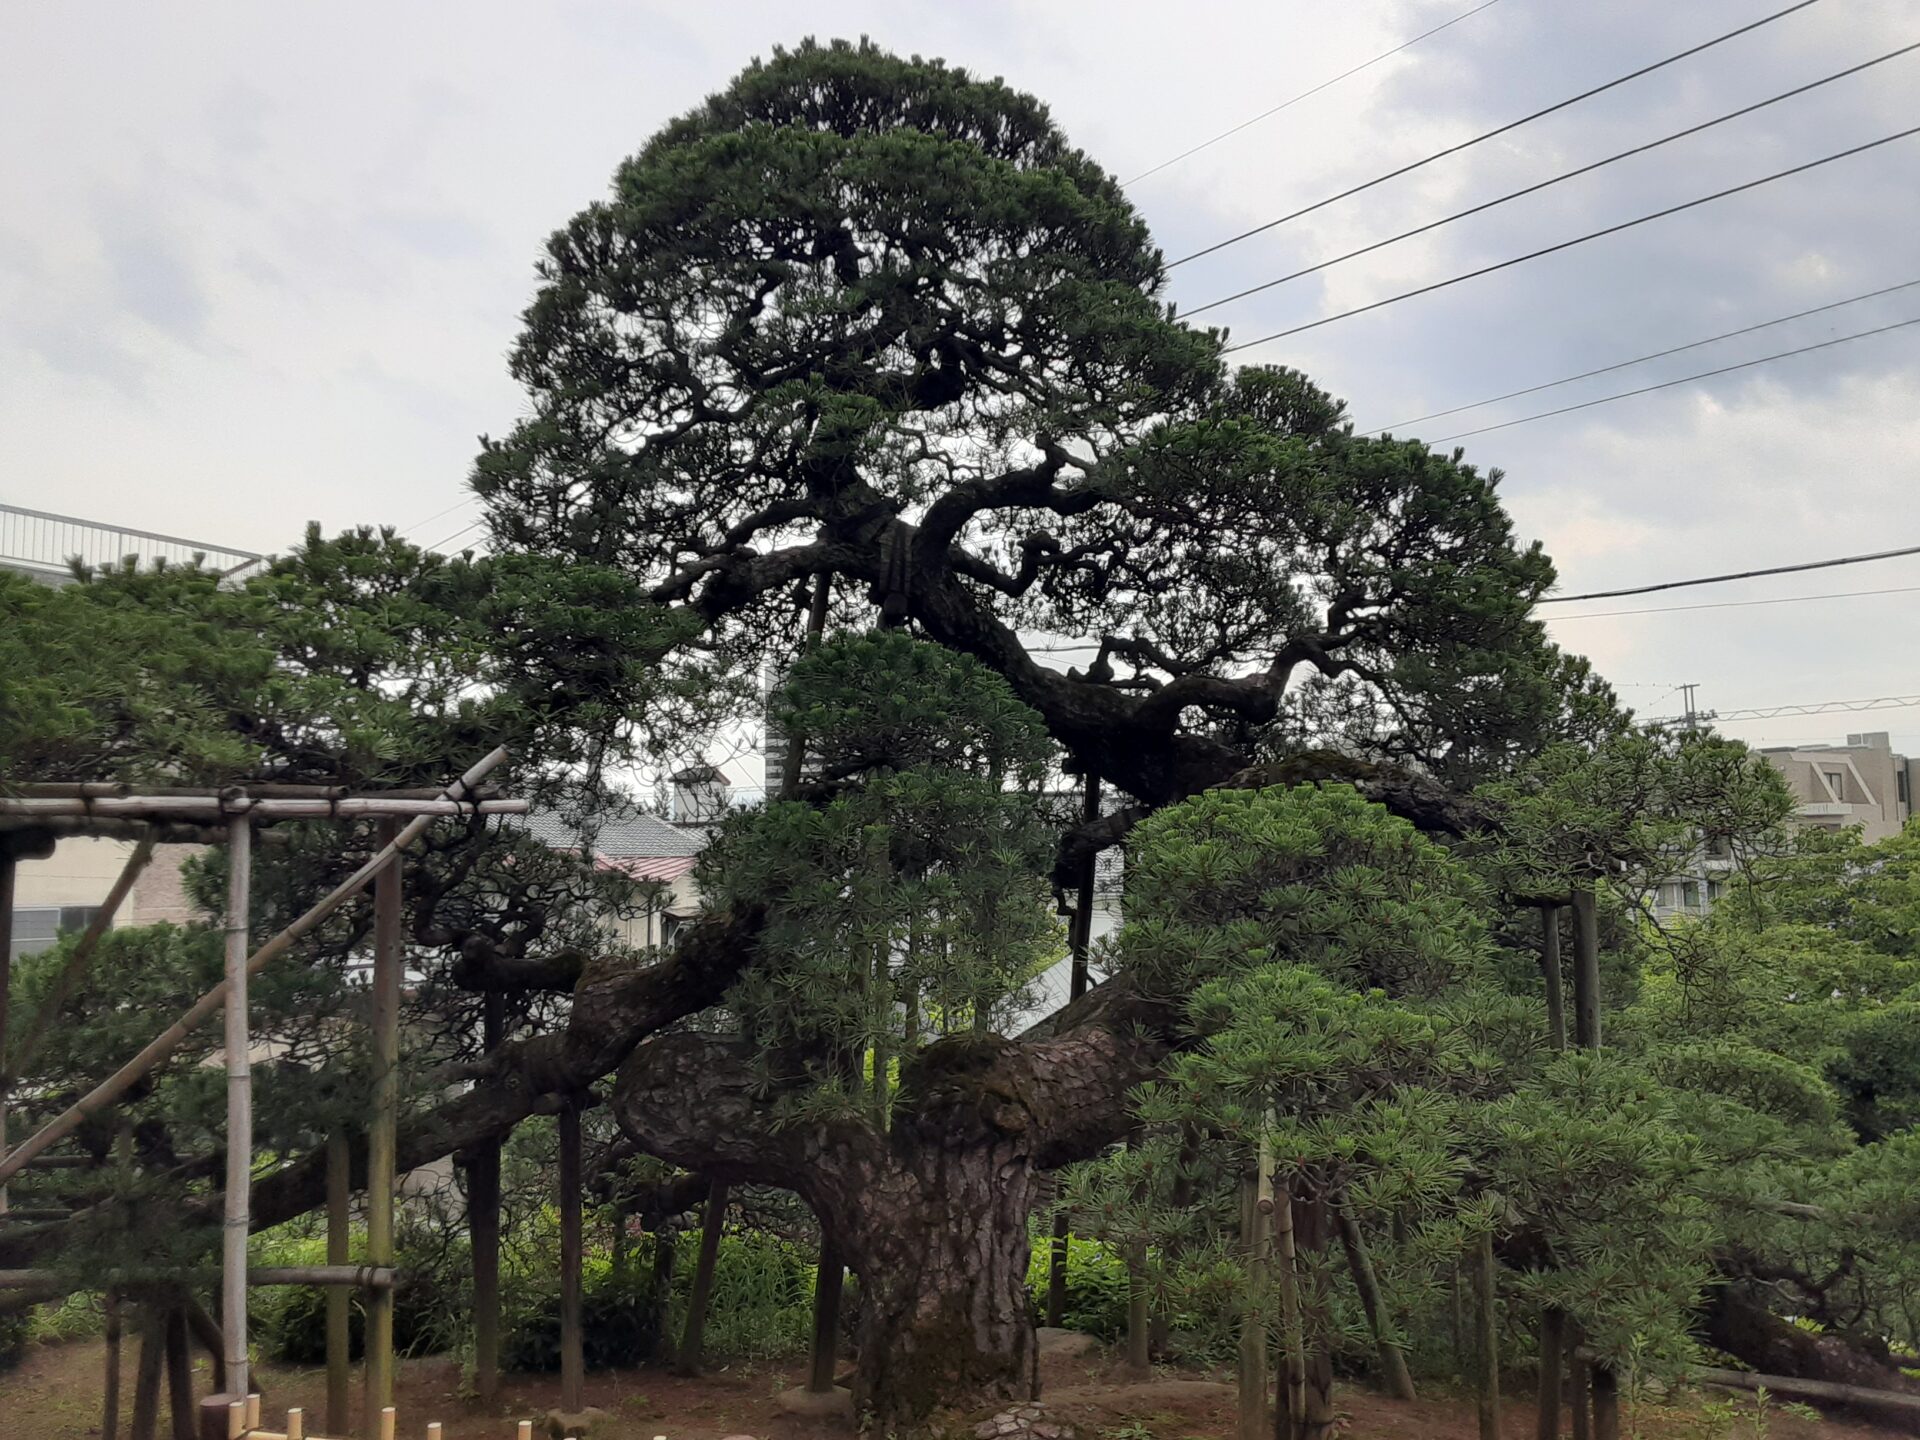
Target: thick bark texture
{"x": 932, "y": 1215}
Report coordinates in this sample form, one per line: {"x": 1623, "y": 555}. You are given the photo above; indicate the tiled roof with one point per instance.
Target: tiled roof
{"x": 625, "y": 832}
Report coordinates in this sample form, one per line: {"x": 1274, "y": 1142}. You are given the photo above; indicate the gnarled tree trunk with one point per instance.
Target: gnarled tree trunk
{"x": 932, "y": 1212}
{"x": 939, "y": 1240}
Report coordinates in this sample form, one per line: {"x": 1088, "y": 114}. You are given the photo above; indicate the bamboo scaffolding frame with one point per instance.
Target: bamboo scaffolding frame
{"x": 117, "y": 1084}
{"x": 221, "y": 807}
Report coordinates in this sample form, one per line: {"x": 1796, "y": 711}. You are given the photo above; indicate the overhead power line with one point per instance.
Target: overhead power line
{"x": 1794, "y": 569}
{"x": 1820, "y": 707}
{"x": 1737, "y": 604}
{"x": 1642, "y": 359}
{"x": 1309, "y": 94}
{"x": 1555, "y": 180}
{"x": 1682, "y": 380}
{"x": 463, "y": 530}
{"x": 1580, "y": 239}
{"x": 1490, "y": 134}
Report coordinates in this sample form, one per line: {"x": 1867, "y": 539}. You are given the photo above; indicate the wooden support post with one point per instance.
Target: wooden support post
{"x": 1586, "y": 968}
{"x": 238, "y": 1044}
{"x": 572, "y": 1341}
{"x": 666, "y": 1248}
{"x": 8, "y": 863}
{"x": 1606, "y": 1403}
{"x": 1079, "y": 946}
{"x": 483, "y": 1228}
{"x": 110, "y": 1403}
{"x": 1139, "y": 1311}
{"x": 1393, "y": 1360}
{"x": 1486, "y": 1334}
{"x": 384, "y": 1429}
{"x": 1057, "y": 1270}
{"x": 180, "y": 1376}
{"x": 702, "y": 1291}
{"x": 339, "y": 1301}
{"x": 828, "y": 1281}
{"x": 296, "y": 1424}
{"x": 146, "y": 1380}
{"x": 382, "y": 1131}
{"x": 1553, "y": 1344}
{"x": 1550, "y": 974}
{"x": 1580, "y": 1385}
{"x": 1251, "y": 1410}
{"x": 202, "y": 1328}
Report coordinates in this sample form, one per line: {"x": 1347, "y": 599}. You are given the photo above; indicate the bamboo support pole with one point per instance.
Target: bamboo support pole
{"x": 339, "y": 1277}
{"x": 339, "y": 1319}
{"x": 117, "y": 1084}
{"x": 262, "y": 790}
{"x": 433, "y": 1430}
{"x": 573, "y": 1375}
{"x": 525, "y": 1431}
{"x": 1256, "y": 1186}
{"x": 343, "y": 1277}
{"x": 691, "y": 1338}
{"x": 384, "y": 1430}
{"x": 1550, "y": 974}
{"x": 382, "y": 1131}
{"x": 1393, "y": 1359}
{"x": 296, "y": 1424}
{"x": 209, "y": 808}
{"x": 239, "y": 1045}
{"x": 57, "y": 994}
{"x": 1290, "y": 1417}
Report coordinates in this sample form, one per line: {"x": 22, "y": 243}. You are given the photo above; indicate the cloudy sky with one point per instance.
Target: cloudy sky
{"x": 261, "y": 264}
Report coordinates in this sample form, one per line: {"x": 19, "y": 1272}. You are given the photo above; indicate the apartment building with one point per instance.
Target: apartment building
{"x": 1863, "y": 782}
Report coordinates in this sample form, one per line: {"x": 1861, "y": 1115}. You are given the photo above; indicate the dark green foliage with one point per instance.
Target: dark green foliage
{"x": 911, "y": 904}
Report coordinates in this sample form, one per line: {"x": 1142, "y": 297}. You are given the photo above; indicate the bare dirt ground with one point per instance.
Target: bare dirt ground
{"x": 55, "y": 1395}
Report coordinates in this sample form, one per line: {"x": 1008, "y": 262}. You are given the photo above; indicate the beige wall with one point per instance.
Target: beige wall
{"x": 1860, "y": 783}
{"x": 681, "y": 900}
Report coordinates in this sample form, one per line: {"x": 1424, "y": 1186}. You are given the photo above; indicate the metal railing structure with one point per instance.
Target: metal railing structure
{"x": 44, "y": 545}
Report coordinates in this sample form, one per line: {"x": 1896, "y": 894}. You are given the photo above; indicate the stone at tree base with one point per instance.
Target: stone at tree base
{"x": 1052, "y": 1340}
{"x": 1029, "y": 1421}
{"x": 834, "y": 1404}
{"x": 560, "y": 1424}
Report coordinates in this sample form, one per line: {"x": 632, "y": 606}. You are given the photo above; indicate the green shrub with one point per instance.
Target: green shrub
{"x": 1096, "y": 1286}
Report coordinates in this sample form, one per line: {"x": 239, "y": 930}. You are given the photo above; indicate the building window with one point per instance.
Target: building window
{"x": 1836, "y": 783}
{"x": 1690, "y": 894}
{"x": 39, "y": 927}
{"x": 1900, "y": 785}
